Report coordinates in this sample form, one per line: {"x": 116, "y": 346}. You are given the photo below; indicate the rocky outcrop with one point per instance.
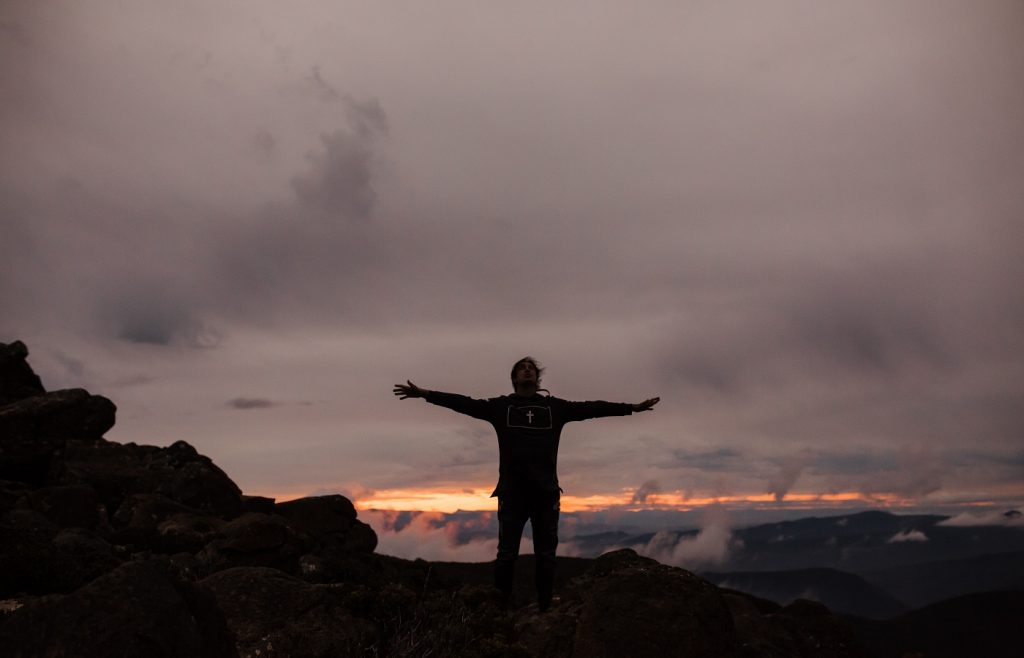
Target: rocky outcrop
{"x": 110, "y": 549}
{"x": 17, "y": 381}
{"x": 628, "y": 605}
{"x": 272, "y": 613}
{"x": 134, "y": 610}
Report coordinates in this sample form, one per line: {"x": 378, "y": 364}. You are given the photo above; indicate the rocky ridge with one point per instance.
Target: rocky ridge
{"x": 110, "y": 549}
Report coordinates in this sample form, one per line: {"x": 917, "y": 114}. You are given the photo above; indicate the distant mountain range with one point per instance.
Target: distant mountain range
{"x": 983, "y": 624}
{"x": 870, "y": 564}
{"x": 841, "y": 592}
{"x": 861, "y": 542}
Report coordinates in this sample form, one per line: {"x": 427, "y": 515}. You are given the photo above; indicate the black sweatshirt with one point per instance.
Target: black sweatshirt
{"x": 528, "y": 432}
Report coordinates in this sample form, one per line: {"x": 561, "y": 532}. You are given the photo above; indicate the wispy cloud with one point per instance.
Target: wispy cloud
{"x": 710, "y": 546}
{"x": 908, "y": 535}
{"x": 250, "y": 403}
{"x": 989, "y": 518}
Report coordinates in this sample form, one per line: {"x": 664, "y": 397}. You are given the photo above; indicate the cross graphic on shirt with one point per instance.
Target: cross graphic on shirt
{"x": 529, "y": 417}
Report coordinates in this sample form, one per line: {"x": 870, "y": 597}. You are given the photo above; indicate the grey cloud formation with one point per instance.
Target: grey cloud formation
{"x": 790, "y": 469}
{"x": 250, "y": 403}
{"x": 645, "y": 490}
{"x": 803, "y": 234}
{"x": 340, "y": 179}
{"x": 707, "y": 547}
{"x": 720, "y": 459}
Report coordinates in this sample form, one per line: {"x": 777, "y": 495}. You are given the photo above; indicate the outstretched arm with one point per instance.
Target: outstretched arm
{"x": 464, "y": 405}
{"x": 600, "y": 408}
{"x": 646, "y": 405}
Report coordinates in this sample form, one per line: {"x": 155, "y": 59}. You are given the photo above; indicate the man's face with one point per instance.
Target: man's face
{"x": 526, "y": 373}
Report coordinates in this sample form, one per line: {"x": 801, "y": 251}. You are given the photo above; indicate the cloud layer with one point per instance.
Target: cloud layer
{"x": 799, "y": 225}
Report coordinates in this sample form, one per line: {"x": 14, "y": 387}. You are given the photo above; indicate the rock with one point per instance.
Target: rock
{"x": 114, "y": 470}
{"x": 72, "y": 506}
{"x": 256, "y": 533}
{"x": 33, "y": 431}
{"x": 817, "y": 632}
{"x": 17, "y": 380}
{"x": 260, "y": 504}
{"x": 318, "y": 516}
{"x": 36, "y": 557}
{"x": 147, "y": 510}
{"x": 331, "y": 522}
{"x": 59, "y": 415}
{"x": 90, "y": 553}
{"x": 194, "y": 480}
{"x": 135, "y": 610}
{"x": 548, "y": 634}
{"x": 187, "y": 532}
{"x": 253, "y": 539}
{"x": 177, "y": 472}
{"x": 631, "y": 607}
{"x": 757, "y": 632}
{"x": 274, "y": 614}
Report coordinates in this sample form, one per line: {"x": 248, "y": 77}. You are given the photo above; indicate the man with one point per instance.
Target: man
{"x": 528, "y": 425}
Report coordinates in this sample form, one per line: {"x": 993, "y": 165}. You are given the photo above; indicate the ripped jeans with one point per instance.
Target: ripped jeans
{"x": 541, "y": 509}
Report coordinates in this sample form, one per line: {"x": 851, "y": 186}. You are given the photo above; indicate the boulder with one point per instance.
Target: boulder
{"x": 633, "y": 606}
{"x": 17, "y": 380}
{"x": 71, "y": 506}
{"x": 177, "y": 472}
{"x": 135, "y": 610}
{"x": 817, "y": 632}
{"x": 331, "y": 522}
{"x": 114, "y": 470}
{"x": 261, "y": 504}
{"x": 146, "y": 510}
{"x": 194, "y": 480}
{"x": 274, "y": 614}
{"x": 263, "y": 540}
{"x": 187, "y": 532}
{"x": 37, "y": 557}
{"x": 33, "y": 431}
{"x": 59, "y": 415}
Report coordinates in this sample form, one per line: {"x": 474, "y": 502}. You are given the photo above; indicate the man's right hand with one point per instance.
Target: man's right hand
{"x": 409, "y": 390}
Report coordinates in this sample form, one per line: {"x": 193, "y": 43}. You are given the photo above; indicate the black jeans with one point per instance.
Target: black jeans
{"x": 541, "y": 509}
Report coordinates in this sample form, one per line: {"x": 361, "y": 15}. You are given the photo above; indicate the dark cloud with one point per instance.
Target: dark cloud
{"x": 339, "y": 182}
{"x": 463, "y": 528}
{"x": 265, "y": 143}
{"x": 790, "y": 469}
{"x": 325, "y": 91}
{"x": 644, "y": 491}
{"x": 250, "y": 403}
{"x": 720, "y": 459}
{"x": 74, "y": 367}
{"x": 874, "y": 322}
{"x": 854, "y": 463}
{"x": 154, "y": 313}
{"x": 395, "y": 521}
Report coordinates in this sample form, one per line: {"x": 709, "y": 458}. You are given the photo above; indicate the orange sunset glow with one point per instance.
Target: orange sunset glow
{"x": 479, "y": 500}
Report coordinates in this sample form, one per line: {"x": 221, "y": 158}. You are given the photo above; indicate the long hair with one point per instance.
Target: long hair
{"x": 537, "y": 366}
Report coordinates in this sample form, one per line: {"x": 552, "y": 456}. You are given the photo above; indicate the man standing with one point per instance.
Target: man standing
{"x": 528, "y": 425}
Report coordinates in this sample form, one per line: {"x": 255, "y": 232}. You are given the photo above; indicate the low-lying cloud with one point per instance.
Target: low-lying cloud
{"x": 908, "y": 536}
{"x": 467, "y": 537}
{"x": 1012, "y": 518}
{"x": 709, "y": 547}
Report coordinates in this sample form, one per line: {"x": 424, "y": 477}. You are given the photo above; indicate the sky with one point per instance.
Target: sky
{"x": 800, "y": 224}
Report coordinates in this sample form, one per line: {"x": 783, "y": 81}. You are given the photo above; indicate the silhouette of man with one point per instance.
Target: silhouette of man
{"x": 528, "y": 425}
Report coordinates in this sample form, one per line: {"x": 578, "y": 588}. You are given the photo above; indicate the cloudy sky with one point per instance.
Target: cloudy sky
{"x": 799, "y": 223}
